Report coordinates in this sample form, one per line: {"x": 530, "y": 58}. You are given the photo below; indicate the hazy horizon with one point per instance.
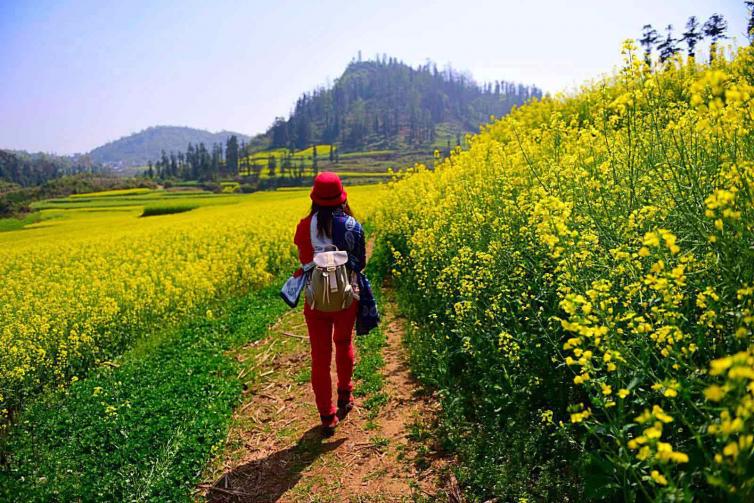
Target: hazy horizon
{"x": 80, "y": 74}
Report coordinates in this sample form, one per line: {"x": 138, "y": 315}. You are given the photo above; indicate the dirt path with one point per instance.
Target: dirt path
{"x": 275, "y": 450}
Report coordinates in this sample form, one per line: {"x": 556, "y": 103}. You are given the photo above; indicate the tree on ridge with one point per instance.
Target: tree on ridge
{"x": 648, "y": 39}
{"x": 667, "y": 47}
{"x": 715, "y": 28}
{"x": 692, "y": 36}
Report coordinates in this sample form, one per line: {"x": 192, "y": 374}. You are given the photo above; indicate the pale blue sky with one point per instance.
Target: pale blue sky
{"x": 76, "y": 74}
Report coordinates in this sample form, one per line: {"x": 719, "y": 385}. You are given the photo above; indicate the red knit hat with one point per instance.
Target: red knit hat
{"x": 328, "y": 190}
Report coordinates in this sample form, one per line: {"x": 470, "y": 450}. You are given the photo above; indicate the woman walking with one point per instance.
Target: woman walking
{"x": 330, "y": 226}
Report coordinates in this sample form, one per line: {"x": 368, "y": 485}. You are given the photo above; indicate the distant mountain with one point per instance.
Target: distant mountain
{"x": 147, "y": 145}
{"x": 386, "y": 104}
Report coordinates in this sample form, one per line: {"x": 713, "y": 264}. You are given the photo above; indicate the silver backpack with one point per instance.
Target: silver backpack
{"x": 329, "y": 287}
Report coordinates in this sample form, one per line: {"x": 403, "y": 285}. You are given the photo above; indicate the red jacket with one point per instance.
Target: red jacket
{"x": 303, "y": 240}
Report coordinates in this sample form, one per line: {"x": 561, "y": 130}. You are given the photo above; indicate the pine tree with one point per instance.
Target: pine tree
{"x": 667, "y": 47}
{"x": 648, "y": 39}
{"x": 203, "y": 163}
{"x": 256, "y": 171}
{"x": 217, "y": 157}
{"x": 285, "y": 167}
{"x": 191, "y": 168}
{"x": 182, "y": 166}
{"x": 165, "y": 164}
{"x": 280, "y": 137}
{"x": 231, "y": 155}
{"x": 715, "y": 28}
{"x": 750, "y": 26}
{"x": 692, "y": 36}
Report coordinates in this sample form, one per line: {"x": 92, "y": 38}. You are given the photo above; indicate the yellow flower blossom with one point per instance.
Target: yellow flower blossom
{"x": 659, "y": 478}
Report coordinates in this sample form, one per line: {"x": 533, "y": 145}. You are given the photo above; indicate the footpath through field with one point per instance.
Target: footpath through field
{"x": 275, "y": 450}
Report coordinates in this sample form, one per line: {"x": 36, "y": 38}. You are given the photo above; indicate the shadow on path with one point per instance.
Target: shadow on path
{"x": 266, "y": 480}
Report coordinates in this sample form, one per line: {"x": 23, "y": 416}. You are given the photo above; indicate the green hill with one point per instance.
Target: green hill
{"x": 387, "y": 104}
{"x": 378, "y": 115}
{"x": 139, "y": 148}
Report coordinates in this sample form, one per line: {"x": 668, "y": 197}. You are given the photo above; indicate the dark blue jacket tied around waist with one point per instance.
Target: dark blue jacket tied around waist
{"x": 348, "y": 235}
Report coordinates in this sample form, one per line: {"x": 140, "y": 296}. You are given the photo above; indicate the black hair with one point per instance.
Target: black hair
{"x": 324, "y": 216}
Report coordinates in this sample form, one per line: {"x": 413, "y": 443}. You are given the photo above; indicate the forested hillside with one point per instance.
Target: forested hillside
{"x": 147, "y": 145}
{"x": 385, "y": 103}
{"x": 379, "y": 114}
{"x": 27, "y": 169}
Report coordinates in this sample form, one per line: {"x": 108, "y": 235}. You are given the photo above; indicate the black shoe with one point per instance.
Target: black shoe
{"x": 328, "y": 425}
{"x": 345, "y": 403}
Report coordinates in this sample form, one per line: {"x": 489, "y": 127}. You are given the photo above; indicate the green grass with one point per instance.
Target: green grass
{"x": 368, "y": 370}
{"x": 304, "y": 376}
{"x": 370, "y": 362}
{"x": 368, "y": 153}
{"x": 167, "y": 209}
{"x": 112, "y": 193}
{"x": 363, "y": 174}
{"x": 197, "y": 197}
{"x": 446, "y": 132}
{"x": 14, "y": 224}
{"x": 380, "y": 442}
{"x": 143, "y": 427}
{"x": 230, "y": 187}
{"x": 323, "y": 152}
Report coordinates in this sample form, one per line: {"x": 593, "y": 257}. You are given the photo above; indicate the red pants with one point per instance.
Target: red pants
{"x": 324, "y": 328}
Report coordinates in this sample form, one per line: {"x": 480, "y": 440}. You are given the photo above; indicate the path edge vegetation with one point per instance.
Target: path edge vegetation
{"x": 148, "y": 423}
{"x": 543, "y": 268}
{"x": 369, "y": 359}
{"x": 144, "y": 425}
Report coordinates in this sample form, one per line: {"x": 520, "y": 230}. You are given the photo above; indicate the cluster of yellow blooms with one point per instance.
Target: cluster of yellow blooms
{"x": 610, "y": 233}
{"x": 734, "y": 428}
{"x": 78, "y": 291}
